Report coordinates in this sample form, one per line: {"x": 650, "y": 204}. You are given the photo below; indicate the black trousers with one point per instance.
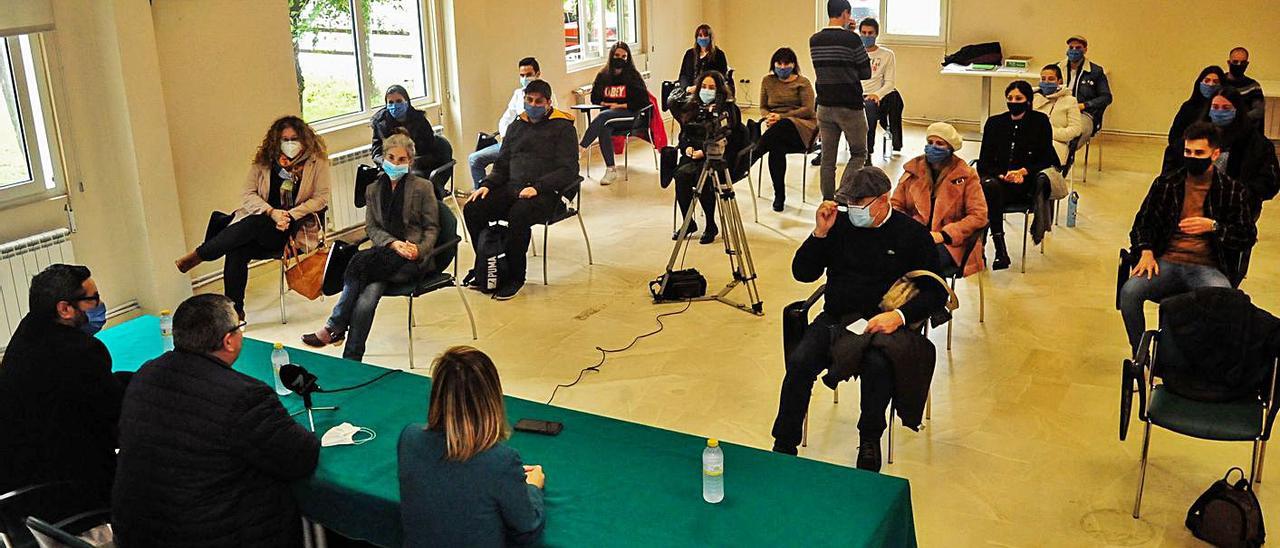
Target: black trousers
{"x": 889, "y": 115}
{"x": 687, "y": 173}
{"x": 1000, "y": 195}
{"x": 254, "y": 237}
{"x": 781, "y": 139}
{"x": 520, "y": 214}
{"x": 810, "y": 358}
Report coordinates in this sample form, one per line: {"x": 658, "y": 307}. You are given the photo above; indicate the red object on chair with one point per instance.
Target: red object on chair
{"x": 656, "y": 127}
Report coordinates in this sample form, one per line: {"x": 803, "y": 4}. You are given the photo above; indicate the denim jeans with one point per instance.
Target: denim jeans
{"x": 596, "y": 131}
{"x": 356, "y": 306}
{"x": 1174, "y": 278}
{"x": 833, "y": 122}
{"x": 481, "y": 159}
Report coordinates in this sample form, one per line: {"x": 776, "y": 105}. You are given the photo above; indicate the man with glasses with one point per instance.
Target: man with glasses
{"x": 1237, "y": 64}
{"x": 206, "y": 452}
{"x": 59, "y": 401}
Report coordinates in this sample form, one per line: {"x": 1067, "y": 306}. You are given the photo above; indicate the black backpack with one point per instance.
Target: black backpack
{"x": 1228, "y": 515}
{"x": 490, "y": 269}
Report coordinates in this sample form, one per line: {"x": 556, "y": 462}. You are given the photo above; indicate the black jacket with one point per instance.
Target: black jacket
{"x": 620, "y": 88}
{"x": 1225, "y": 347}
{"x": 432, "y": 151}
{"x": 911, "y": 355}
{"x": 1194, "y": 109}
{"x": 862, "y": 263}
{"x": 692, "y": 65}
{"x": 543, "y": 155}
{"x": 207, "y": 455}
{"x": 1227, "y": 203}
{"x": 1092, "y": 89}
{"x": 59, "y": 406}
{"x": 1253, "y": 95}
{"x": 1252, "y": 161}
{"x": 1007, "y": 145}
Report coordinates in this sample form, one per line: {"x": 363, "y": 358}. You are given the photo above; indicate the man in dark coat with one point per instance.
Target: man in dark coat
{"x": 207, "y": 453}
{"x": 862, "y": 251}
{"x": 58, "y": 400}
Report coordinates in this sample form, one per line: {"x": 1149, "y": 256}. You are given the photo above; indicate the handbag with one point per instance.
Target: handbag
{"x": 218, "y": 221}
{"x": 306, "y": 273}
{"x": 335, "y": 267}
{"x": 1228, "y": 515}
{"x": 904, "y": 289}
{"x": 365, "y": 176}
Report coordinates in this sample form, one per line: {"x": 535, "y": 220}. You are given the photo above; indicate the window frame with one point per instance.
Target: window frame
{"x": 889, "y": 39}
{"x": 38, "y": 121}
{"x": 428, "y": 43}
{"x": 637, "y": 51}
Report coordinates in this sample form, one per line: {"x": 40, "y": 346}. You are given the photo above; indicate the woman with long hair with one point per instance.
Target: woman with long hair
{"x": 1055, "y": 100}
{"x": 433, "y": 150}
{"x": 283, "y": 198}
{"x": 621, "y": 91}
{"x": 705, "y": 55}
{"x": 1194, "y": 109}
{"x": 459, "y": 484}
{"x": 713, "y": 97}
{"x": 1247, "y": 154}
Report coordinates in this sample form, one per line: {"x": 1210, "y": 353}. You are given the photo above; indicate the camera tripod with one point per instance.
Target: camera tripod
{"x": 715, "y": 174}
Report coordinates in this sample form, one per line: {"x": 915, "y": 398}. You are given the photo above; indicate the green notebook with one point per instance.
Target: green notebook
{"x": 976, "y": 66}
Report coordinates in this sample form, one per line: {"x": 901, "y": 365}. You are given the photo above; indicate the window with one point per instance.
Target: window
{"x": 901, "y": 21}
{"x": 348, "y": 52}
{"x": 591, "y": 27}
{"x": 27, "y": 143}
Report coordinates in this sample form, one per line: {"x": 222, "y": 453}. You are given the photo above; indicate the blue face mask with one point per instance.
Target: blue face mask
{"x": 936, "y": 154}
{"x": 1074, "y": 55}
{"x": 1222, "y": 117}
{"x": 97, "y": 318}
{"x": 708, "y": 96}
{"x": 535, "y": 113}
{"x": 861, "y": 216}
{"x": 868, "y": 41}
{"x": 703, "y": 41}
{"x": 1049, "y": 88}
{"x": 783, "y": 73}
{"x": 394, "y": 172}
{"x": 398, "y": 110}
{"x": 1208, "y": 90}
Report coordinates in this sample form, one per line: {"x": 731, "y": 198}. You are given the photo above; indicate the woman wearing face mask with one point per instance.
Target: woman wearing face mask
{"x": 940, "y": 191}
{"x": 433, "y": 150}
{"x": 621, "y": 91}
{"x": 712, "y": 98}
{"x": 1247, "y": 154}
{"x": 283, "y": 198}
{"x": 1016, "y": 146}
{"x": 1056, "y": 102}
{"x": 702, "y": 57}
{"x": 402, "y": 221}
{"x": 787, "y": 100}
{"x": 1194, "y": 109}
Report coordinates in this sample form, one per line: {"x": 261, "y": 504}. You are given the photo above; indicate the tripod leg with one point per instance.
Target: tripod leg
{"x": 684, "y": 228}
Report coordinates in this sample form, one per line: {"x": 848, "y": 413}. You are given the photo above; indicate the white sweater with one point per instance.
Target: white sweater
{"x": 1064, "y": 116}
{"x": 884, "y": 72}
{"x": 514, "y": 107}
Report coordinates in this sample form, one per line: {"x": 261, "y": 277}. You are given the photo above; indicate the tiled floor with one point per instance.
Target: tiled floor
{"x": 1022, "y": 449}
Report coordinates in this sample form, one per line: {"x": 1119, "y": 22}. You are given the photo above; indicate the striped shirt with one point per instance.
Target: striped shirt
{"x": 841, "y": 64}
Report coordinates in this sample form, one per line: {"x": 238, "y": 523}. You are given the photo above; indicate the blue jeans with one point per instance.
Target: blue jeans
{"x": 481, "y": 159}
{"x": 356, "y": 306}
{"x": 596, "y": 131}
{"x": 1174, "y": 278}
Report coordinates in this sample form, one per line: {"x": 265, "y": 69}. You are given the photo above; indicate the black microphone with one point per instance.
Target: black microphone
{"x": 300, "y": 381}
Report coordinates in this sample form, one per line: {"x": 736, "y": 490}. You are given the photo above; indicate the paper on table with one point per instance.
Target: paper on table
{"x": 857, "y": 328}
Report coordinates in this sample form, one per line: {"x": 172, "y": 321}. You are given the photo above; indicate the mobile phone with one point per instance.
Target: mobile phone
{"x": 536, "y": 426}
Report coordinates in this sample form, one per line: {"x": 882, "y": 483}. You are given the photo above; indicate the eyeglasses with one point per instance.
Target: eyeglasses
{"x": 239, "y": 327}
{"x": 96, "y": 298}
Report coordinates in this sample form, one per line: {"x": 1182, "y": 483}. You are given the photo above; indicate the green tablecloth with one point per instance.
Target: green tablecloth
{"x": 610, "y": 482}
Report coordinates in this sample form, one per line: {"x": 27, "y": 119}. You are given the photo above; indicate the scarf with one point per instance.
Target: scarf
{"x": 291, "y": 176}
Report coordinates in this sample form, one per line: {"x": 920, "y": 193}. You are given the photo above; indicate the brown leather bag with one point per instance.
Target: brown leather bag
{"x": 305, "y": 273}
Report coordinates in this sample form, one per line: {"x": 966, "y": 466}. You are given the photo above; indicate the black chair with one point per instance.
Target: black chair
{"x": 814, "y": 147}
{"x": 570, "y": 207}
{"x": 1026, "y": 210}
{"x": 632, "y": 126}
{"x": 66, "y": 533}
{"x": 56, "y": 502}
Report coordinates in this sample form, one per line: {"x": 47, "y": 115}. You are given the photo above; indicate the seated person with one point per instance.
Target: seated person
{"x": 862, "y": 252}
{"x": 482, "y": 159}
{"x": 1237, "y": 64}
{"x": 207, "y": 453}
{"x": 1194, "y": 109}
{"x": 1247, "y": 155}
{"x": 459, "y": 484}
{"x": 283, "y": 199}
{"x": 618, "y": 88}
{"x": 1190, "y": 230}
{"x": 880, "y": 97}
{"x": 1088, "y": 83}
{"x": 60, "y": 402}
{"x": 1016, "y": 146}
{"x": 1057, "y": 103}
{"x": 538, "y": 162}
{"x": 940, "y": 191}
{"x": 702, "y": 57}
{"x": 713, "y": 96}
{"x": 402, "y": 220}
{"x": 433, "y": 150}
{"x": 787, "y": 100}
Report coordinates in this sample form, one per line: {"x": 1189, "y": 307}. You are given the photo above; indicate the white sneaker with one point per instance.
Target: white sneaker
{"x": 610, "y": 175}
{"x": 896, "y": 153}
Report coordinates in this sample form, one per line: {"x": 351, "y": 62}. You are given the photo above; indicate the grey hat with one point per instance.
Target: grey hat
{"x": 868, "y": 181}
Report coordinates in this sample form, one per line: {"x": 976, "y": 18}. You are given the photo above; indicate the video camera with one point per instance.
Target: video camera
{"x": 714, "y": 126}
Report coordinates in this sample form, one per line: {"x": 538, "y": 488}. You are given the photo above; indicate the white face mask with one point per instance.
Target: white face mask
{"x": 290, "y": 148}
{"x": 345, "y": 434}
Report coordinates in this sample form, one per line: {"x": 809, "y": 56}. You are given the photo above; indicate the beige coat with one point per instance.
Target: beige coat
{"x": 312, "y": 196}
{"x": 1064, "y": 117}
{"x": 959, "y": 210}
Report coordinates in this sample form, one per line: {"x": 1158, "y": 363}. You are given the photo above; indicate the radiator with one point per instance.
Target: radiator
{"x": 343, "y": 213}
{"x": 19, "y": 261}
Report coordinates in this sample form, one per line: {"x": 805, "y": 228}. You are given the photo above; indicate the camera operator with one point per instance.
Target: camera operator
{"x": 710, "y": 119}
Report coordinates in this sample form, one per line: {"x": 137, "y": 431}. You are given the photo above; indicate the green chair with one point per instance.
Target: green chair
{"x": 1248, "y": 419}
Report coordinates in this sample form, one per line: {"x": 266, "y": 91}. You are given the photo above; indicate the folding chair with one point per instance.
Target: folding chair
{"x": 804, "y": 172}
{"x": 629, "y": 127}
{"x": 56, "y": 502}
{"x": 570, "y": 207}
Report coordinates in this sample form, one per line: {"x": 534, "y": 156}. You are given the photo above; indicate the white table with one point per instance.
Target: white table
{"x": 987, "y": 75}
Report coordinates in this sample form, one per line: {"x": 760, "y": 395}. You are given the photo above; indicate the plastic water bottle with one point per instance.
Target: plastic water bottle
{"x": 713, "y": 472}
{"x": 279, "y": 357}
{"x": 1073, "y": 203}
{"x": 166, "y": 329}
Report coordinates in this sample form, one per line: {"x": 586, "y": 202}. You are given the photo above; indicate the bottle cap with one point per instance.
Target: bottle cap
{"x": 279, "y": 346}
{"x": 166, "y": 312}
{"x": 712, "y": 442}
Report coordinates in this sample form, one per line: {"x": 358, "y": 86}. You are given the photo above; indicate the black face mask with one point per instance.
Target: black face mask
{"x": 617, "y": 63}
{"x": 1238, "y": 70}
{"x": 1019, "y": 108}
{"x": 1196, "y": 166}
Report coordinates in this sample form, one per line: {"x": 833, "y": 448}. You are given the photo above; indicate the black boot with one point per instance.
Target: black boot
{"x": 1002, "y": 253}
{"x": 869, "y": 454}
{"x": 709, "y": 235}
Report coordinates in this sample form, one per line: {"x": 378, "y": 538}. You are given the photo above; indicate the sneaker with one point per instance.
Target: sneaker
{"x": 709, "y": 235}
{"x": 322, "y": 338}
{"x": 869, "y": 455}
{"x": 610, "y": 175}
{"x": 508, "y": 292}
{"x": 896, "y": 152}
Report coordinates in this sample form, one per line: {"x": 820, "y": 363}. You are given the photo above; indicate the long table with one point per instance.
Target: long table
{"x": 609, "y": 482}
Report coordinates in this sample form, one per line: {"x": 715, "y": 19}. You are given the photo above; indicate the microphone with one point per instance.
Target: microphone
{"x": 300, "y": 381}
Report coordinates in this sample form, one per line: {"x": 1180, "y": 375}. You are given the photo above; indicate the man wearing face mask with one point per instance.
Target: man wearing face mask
{"x": 1237, "y": 64}
{"x": 841, "y": 64}
{"x": 1088, "y": 83}
{"x": 480, "y": 160}
{"x": 207, "y": 453}
{"x": 1190, "y": 232}
{"x": 863, "y": 247}
{"x": 59, "y": 402}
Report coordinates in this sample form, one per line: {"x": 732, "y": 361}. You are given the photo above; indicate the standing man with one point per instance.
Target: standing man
{"x": 841, "y": 64}
{"x": 1237, "y": 64}
{"x": 880, "y": 95}
{"x": 481, "y": 159}
{"x": 1088, "y": 84}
